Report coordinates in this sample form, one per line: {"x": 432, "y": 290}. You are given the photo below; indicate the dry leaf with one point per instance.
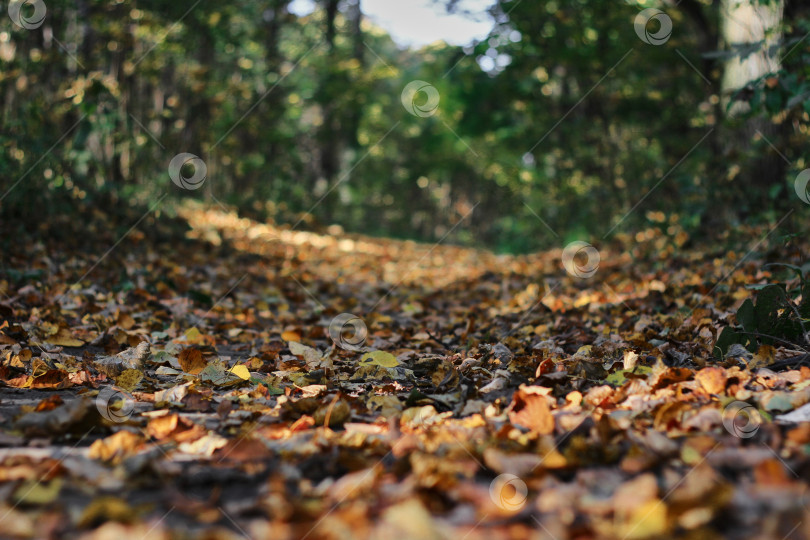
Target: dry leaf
{"x": 116, "y": 447}
{"x": 64, "y": 338}
{"x": 712, "y": 379}
{"x": 132, "y": 358}
{"x": 192, "y": 361}
{"x": 380, "y": 358}
{"x": 529, "y": 409}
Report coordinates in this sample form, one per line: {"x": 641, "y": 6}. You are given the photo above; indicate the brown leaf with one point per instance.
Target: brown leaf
{"x": 712, "y": 379}
{"x": 49, "y": 403}
{"x": 54, "y": 379}
{"x": 192, "y": 361}
{"x": 530, "y": 409}
{"x": 332, "y": 414}
{"x": 116, "y": 447}
{"x": 132, "y": 358}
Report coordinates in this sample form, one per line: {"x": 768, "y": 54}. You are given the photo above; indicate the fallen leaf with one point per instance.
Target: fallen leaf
{"x": 291, "y": 335}
{"x": 204, "y": 446}
{"x": 116, "y": 447}
{"x": 241, "y": 371}
{"x": 132, "y": 358}
{"x": 64, "y": 338}
{"x": 802, "y": 414}
{"x": 38, "y": 492}
{"x": 630, "y": 360}
{"x": 313, "y": 358}
{"x": 529, "y": 409}
{"x": 333, "y": 415}
{"x": 712, "y": 379}
{"x": 129, "y": 379}
{"x": 162, "y": 426}
{"x": 380, "y": 358}
{"x": 192, "y": 361}
{"x": 107, "y": 508}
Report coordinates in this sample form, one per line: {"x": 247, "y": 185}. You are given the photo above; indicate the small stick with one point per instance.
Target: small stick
{"x": 329, "y": 411}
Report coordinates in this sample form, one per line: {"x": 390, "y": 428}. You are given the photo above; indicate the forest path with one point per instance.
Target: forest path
{"x": 299, "y": 385}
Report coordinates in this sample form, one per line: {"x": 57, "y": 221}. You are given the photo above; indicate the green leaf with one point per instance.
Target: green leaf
{"x": 770, "y": 301}
{"x": 745, "y": 316}
{"x": 793, "y": 267}
{"x": 727, "y": 338}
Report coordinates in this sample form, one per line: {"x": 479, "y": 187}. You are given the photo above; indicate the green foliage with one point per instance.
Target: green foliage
{"x": 780, "y": 315}
{"x": 577, "y": 128}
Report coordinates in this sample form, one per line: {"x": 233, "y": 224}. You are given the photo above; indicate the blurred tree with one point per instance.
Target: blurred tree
{"x": 752, "y": 31}
{"x": 561, "y": 123}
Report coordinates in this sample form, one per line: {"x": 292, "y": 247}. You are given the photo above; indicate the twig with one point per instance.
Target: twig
{"x": 780, "y": 340}
{"x": 790, "y": 362}
{"x": 329, "y": 411}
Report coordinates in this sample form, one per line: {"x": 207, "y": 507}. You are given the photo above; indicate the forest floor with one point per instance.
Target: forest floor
{"x": 167, "y": 384}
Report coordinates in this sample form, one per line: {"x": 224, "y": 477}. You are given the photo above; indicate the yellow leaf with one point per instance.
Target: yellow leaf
{"x": 129, "y": 379}
{"x": 649, "y": 519}
{"x": 585, "y": 350}
{"x": 241, "y": 371}
{"x": 106, "y": 508}
{"x": 63, "y": 338}
{"x": 39, "y": 492}
{"x": 48, "y": 329}
{"x": 195, "y": 337}
{"x": 380, "y": 358}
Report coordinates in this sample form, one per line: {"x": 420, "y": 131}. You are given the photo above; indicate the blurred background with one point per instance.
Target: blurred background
{"x": 531, "y": 121}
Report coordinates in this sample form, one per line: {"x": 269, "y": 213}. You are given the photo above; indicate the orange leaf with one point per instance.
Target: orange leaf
{"x": 712, "y": 379}
{"x": 529, "y": 409}
{"x": 290, "y": 335}
{"x": 162, "y": 426}
{"x": 192, "y": 361}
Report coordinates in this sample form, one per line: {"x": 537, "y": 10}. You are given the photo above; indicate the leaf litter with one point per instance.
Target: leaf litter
{"x": 203, "y": 386}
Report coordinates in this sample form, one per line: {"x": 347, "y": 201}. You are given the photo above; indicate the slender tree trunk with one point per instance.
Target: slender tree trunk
{"x": 329, "y": 142}
{"x": 746, "y": 22}
{"x": 273, "y": 110}
{"x": 355, "y": 16}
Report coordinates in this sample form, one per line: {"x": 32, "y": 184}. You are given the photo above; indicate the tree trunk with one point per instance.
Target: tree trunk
{"x": 328, "y": 137}
{"x": 748, "y": 22}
